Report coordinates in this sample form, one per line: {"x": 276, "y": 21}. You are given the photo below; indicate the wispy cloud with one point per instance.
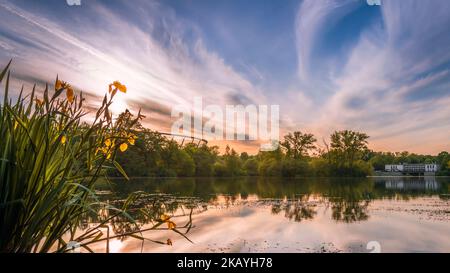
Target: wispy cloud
{"x": 394, "y": 83}
{"x": 166, "y": 67}
{"x": 383, "y": 70}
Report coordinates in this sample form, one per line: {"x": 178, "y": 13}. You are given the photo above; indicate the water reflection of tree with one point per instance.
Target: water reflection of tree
{"x": 143, "y": 210}
{"x": 297, "y": 209}
{"x": 226, "y": 201}
{"x": 347, "y": 198}
{"x": 204, "y": 188}
{"x": 349, "y": 211}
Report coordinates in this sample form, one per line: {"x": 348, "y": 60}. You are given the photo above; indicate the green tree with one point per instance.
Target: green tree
{"x": 379, "y": 161}
{"x": 298, "y": 144}
{"x": 148, "y": 152}
{"x": 244, "y": 156}
{"x": 291, "y": 167}
{"x": 204, "y": 158}
{"x": 220, "y": 170}
{"x": 251, "y": 167}
{"x": 320, "y": 167}
{"x": 442, "y": 158}
{"x": 185, "y": 166}
{"x": 233, "y": 162}
{"x": 270, "y": 162}
{"x": 270, "y": 167}
{"x": 348, "y": 146}
{"x": 174, "y": 161}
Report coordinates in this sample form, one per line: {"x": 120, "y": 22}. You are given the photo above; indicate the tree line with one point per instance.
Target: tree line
{"x": 345, "y": 155}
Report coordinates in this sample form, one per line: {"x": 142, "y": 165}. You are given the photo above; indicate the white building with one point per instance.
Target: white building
{"x": 431, "y": 167}
{"x": 393, "y": 168}
{"x": 412, "y": 168}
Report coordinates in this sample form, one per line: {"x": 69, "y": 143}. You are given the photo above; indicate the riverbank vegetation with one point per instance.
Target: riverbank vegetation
{"x": 345, "y": 154}
{"x": 50, "y": 161}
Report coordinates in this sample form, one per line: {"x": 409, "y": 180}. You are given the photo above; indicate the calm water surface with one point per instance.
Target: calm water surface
{"x": 296, "y": 215}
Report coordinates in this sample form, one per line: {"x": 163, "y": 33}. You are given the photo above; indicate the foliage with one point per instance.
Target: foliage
{"x": 320, "y": 167}
{"x": 220, "y": 169}
{"x": 203, "y": 157}
{"x": 298, "y": 144}
{"x": 293, "y": 167}
{"x": 348, "y": 155}
{"x": 270, "y": 167}
{"x": 50, "y": 161}
{"x": 251, "y": 167}
{"x": 270, "y": 162}
{"x": 347, "y": 147}
{"x": 233, "y": 162}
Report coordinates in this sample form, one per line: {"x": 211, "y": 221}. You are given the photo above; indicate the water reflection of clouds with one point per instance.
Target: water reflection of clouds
{"x": 262, "y": 232}
{"x": 256, "y": 229}
{"x": 316, "y": 216}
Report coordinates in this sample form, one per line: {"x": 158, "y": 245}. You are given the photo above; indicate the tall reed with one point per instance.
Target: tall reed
{"x": 49, "y": 162}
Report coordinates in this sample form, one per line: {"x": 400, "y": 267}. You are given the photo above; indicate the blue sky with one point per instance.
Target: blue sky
{"x": 330, "y": 65}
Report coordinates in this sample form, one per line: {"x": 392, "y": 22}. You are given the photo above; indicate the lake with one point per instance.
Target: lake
{"x": 387, "y": 214}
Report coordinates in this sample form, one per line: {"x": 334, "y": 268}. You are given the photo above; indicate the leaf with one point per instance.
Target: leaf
{"x": 5, "y": 70}
{"x": 57, "y": 93}
{"x": 121, "y": 170}
{"x": 6, "y": 90}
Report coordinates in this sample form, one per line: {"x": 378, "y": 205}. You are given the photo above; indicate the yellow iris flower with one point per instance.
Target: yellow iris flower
{"x": 123, "y": 147}
{"x": 39, "y": 102}
{"x": 117, "y": 86}
{"x": 70, "y": 94}
{"x": 132, "y": 139}
{"x": 122, "y": 88}
{"x": 58, "y": 85}
{"x": 108, "y": 142}
{"x": 171, "y": 225}
{"x": 165, "y": 217}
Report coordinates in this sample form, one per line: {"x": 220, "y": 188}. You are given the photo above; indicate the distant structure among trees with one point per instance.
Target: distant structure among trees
{"x": 415, "y": 169}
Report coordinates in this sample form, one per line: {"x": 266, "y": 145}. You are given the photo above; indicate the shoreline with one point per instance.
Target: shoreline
{"x": 326, "y": 177}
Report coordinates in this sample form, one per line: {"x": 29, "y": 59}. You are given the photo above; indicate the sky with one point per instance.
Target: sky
{"x": 329, "y": 65}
